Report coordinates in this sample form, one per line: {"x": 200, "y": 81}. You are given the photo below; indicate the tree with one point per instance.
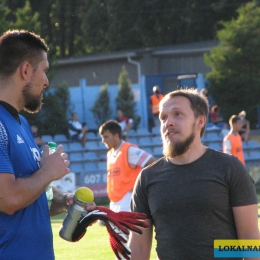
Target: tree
{"x": 125, "y": 97}
{"x": 101, "y": 108}
{"x": 235, "y": 64}
{"x": 26, "y": 17}
{"x": 79, "y": 27}
{"x": 4, "y": 12}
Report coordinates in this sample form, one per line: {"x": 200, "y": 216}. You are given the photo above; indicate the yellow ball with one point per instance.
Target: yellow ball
{"x": 84, "y": 194}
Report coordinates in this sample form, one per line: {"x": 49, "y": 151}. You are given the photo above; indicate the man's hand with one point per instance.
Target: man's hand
{"x": 55, "y": 165}
{"x": 70, "y": 201}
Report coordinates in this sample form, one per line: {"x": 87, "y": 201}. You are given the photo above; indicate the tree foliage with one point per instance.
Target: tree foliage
{"x": 125, "y": 98}
{"x": 4, "y": 12}
{"x": 101, "y": 109}
{"x": 79, "y": 27}
{"x": 235, "y": 64}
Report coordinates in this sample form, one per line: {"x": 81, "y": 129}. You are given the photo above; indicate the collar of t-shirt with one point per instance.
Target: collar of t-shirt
{"x": 117, "y": 150}
{"x": 11, "y": 110}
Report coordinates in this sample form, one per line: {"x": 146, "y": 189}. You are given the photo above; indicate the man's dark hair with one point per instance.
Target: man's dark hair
{"x": 215, "y": 108}
{"x": 233, "y": 119}
{"x": 112, "y": 126}
{"x": 199, "y": 103}
{"x": 17, "y": 46}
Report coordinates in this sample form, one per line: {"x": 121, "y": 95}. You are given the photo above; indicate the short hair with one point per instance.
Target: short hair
{"x": 198, "y": 102}
{"x": 112, "y": 126}
{"x": 17, "y": 46}
{"x": 156, "y": 88}
{"x": 215, "y": 109}
{"x": 233, "y": 119}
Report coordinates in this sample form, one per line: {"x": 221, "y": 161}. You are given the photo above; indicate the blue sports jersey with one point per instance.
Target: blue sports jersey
{"x": 27, "y": 233}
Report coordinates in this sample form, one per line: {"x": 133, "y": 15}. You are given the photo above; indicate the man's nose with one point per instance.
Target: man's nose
{"x": 169, "y": 121}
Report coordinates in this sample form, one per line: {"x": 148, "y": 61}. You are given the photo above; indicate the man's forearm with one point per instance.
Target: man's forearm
{"x": 59, "y": 202}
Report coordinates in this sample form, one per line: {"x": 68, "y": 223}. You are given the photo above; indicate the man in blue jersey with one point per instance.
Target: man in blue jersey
{"x": 25, "y": 229}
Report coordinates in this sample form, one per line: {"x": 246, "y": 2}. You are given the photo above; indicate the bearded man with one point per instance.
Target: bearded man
{"x": 25, "y": 228}
{"x": 193, "y": 195}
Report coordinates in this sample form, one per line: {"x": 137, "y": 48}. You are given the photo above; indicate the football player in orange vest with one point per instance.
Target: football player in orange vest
{"x": 156, "y": 97}
{"x": 124, "y": 162}
{"x": 232, "y": 143}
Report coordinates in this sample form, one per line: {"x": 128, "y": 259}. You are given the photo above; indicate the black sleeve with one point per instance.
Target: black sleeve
{"x": 242, "y": 188}
{"x": 139, "y": 202}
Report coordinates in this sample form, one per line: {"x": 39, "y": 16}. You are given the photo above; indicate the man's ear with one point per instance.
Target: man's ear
{"x": 26, "y": 71}
{"x": 201, "y": 121}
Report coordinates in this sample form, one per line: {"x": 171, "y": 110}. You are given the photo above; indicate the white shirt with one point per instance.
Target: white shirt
{"x": 136, "y": 156}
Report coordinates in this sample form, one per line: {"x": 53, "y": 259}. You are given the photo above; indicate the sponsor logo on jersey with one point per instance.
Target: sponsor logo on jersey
{"x": 19, "y": 140}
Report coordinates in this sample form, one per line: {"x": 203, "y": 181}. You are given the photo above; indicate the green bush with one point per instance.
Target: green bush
{"x": 101, "y": 109}
{"x": 125, "y": 98}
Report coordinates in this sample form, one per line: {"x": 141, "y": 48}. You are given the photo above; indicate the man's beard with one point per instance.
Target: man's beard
{"x": 33, "y": 103}
{"x": 172, "y": 149}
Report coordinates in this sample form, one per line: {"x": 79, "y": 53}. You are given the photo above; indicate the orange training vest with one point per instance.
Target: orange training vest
{"x": 236, "y": 146}
{"x": 155, "y": 103}
{"x": 121, "y": 176}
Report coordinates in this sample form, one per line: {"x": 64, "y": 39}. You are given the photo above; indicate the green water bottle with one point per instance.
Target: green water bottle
{"x": 49, "y": 192}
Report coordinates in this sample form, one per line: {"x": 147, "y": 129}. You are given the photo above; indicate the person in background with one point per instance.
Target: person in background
{"x": 245, "y": 129}
{"x": 125, "y": 123}
{"x": 124, "y": 162}
{"x": 225, "y": 130}
{"x": 193, "y": 194}
{"x": 155, "y": 99}
{"x": 215, "y": 115}
{"x": 37, "y": 138}
{"x": 77, "y": 130}
{"x": 25, "y": 227}
{"x": 232, "y": 143}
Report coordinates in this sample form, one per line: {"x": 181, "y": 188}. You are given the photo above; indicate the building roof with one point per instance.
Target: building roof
{"x": 179, "y": 49}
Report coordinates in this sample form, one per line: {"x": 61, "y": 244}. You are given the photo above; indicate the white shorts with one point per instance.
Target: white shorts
{"x": 123, "y": 204}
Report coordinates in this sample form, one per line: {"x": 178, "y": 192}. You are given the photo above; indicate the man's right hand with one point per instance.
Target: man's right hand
{"x": 55, "y": 165}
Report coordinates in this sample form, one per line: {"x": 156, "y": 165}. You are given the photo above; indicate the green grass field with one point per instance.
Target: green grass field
{"x": 94, "y": 245}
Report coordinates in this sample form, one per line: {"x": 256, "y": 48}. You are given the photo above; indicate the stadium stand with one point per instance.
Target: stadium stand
{"x": 76, "y": 147}
{"x": 66, "y": 147}
{"x": 93, "y": 146}
{"x": 76, "y": 157}
{"x": 132, "y": 132}
{"x": 92, "y": 136}
{"x": 215, "y": 146}
{"x": 133, "y": 140}
{"x": 90, "y": 167}
{"x": 76, "y": 167}
{"x": 213, "y": 136}
{"x": 102, "y": 166}
{"x": 157, "y": 141}
{"x": 90, "y": 157}
{"x": 156, "y": 130}
{"x": 60, "y": 138}
{"x": 93, "y": 156}
{"x": 47, "y": 138}
{"x": 157, "y": 152}
{"x": 145, "y": 142}
{"x": 142, "y": 132}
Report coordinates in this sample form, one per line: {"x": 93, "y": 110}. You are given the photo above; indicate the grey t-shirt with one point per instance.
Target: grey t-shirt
{"x": 191, "y": 205}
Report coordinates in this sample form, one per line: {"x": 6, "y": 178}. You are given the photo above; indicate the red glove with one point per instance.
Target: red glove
{"x": 118, "y": 225}
{"x": 126, "y": 220}
{"x": 119, "y": 246}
